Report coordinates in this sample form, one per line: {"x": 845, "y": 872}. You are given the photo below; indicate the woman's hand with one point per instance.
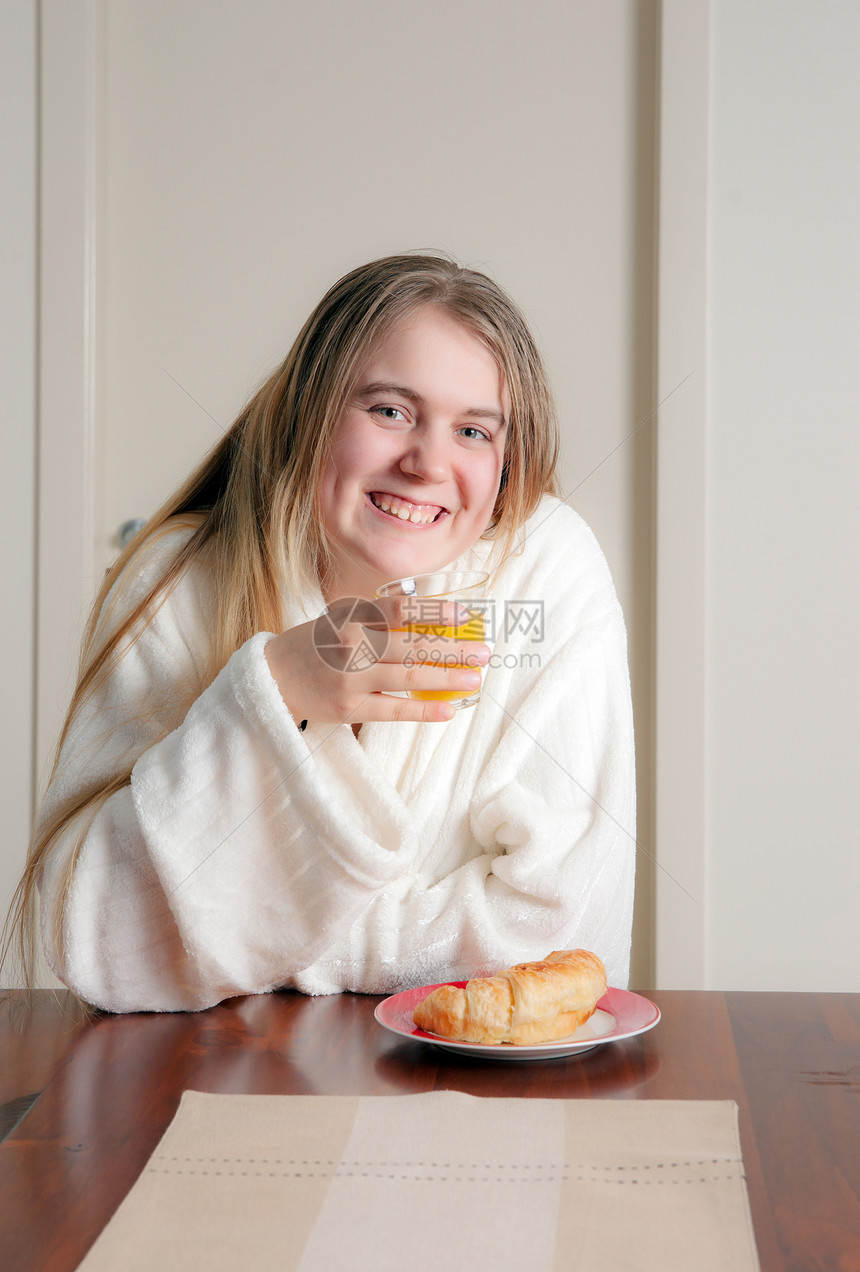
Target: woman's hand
{"x": 341, "y": 668}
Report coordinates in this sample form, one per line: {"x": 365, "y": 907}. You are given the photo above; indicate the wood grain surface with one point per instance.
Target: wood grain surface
{"x": 108, "y": 1087}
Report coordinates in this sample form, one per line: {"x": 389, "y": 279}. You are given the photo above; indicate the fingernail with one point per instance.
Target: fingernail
{"x": 479, "y": 656}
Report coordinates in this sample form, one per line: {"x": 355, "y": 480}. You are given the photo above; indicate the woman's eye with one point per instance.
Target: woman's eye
{"x": 389, "y": 413}
{"x": 473, "y": 434}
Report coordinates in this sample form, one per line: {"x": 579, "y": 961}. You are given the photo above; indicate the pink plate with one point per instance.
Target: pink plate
{"x": 619, "y": 1014}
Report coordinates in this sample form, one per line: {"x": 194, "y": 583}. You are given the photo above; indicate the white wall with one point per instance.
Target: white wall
{"x": 783, "y": 851}
{"x": 18, "y": 153}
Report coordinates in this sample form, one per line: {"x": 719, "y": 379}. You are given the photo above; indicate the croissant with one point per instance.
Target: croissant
{"x": 528, "y": 1003}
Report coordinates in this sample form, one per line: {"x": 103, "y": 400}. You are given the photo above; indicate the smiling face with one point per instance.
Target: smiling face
{"x": 417, "y": 456}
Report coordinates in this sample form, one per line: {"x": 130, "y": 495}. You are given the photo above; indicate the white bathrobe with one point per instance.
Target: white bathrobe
{"x": 247, "y": 855}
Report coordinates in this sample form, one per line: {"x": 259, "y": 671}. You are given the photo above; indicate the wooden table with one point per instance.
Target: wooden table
{"x": 109, "y": 1086}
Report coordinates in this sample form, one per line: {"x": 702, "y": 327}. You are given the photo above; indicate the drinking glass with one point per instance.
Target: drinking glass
{"x": 427, "y": 592}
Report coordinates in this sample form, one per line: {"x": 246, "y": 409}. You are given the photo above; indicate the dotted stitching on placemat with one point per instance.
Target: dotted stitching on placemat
{"x": 563, "y": 1171}
{"x": 307, "y": 1161}
{"x": 442, "y": 1179}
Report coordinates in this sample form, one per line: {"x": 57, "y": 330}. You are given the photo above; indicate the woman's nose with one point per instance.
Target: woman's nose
{"x": 427, "y": 456}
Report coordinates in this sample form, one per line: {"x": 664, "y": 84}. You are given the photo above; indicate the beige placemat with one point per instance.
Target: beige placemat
{"x": 443, "y": 1180}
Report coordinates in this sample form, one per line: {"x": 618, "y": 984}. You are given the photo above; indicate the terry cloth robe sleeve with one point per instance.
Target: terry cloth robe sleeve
{"x": 549, "y": 805}
{"x": 244, "y": 855}
{"x": 232, "y": 855}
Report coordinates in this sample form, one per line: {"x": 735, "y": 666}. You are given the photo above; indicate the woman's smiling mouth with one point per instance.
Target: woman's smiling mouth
{"x": 403, "y": 510}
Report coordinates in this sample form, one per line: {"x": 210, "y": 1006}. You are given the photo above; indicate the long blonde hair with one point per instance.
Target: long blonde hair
{"x": 253, "y": 501}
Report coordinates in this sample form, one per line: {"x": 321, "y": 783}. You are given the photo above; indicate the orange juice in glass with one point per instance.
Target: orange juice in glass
{"x": 428, "y": 592}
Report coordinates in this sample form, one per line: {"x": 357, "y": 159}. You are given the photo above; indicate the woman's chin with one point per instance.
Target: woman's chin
{"x": 366, "y": 582}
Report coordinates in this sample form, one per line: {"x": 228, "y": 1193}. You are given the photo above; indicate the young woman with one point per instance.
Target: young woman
{"x": 232, "y": 812}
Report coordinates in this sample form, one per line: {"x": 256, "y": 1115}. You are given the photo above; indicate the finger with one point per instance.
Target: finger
{"x": 377, "y": 707}
{"x": 443, "y": 651}
{"x": 395, "y": 678}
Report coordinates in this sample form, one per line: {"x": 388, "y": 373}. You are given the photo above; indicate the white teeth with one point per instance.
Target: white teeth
{"x": 406, "y": 512}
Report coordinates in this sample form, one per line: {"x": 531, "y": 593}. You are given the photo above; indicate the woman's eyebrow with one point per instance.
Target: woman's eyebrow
{"x": 403, "y": 390}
